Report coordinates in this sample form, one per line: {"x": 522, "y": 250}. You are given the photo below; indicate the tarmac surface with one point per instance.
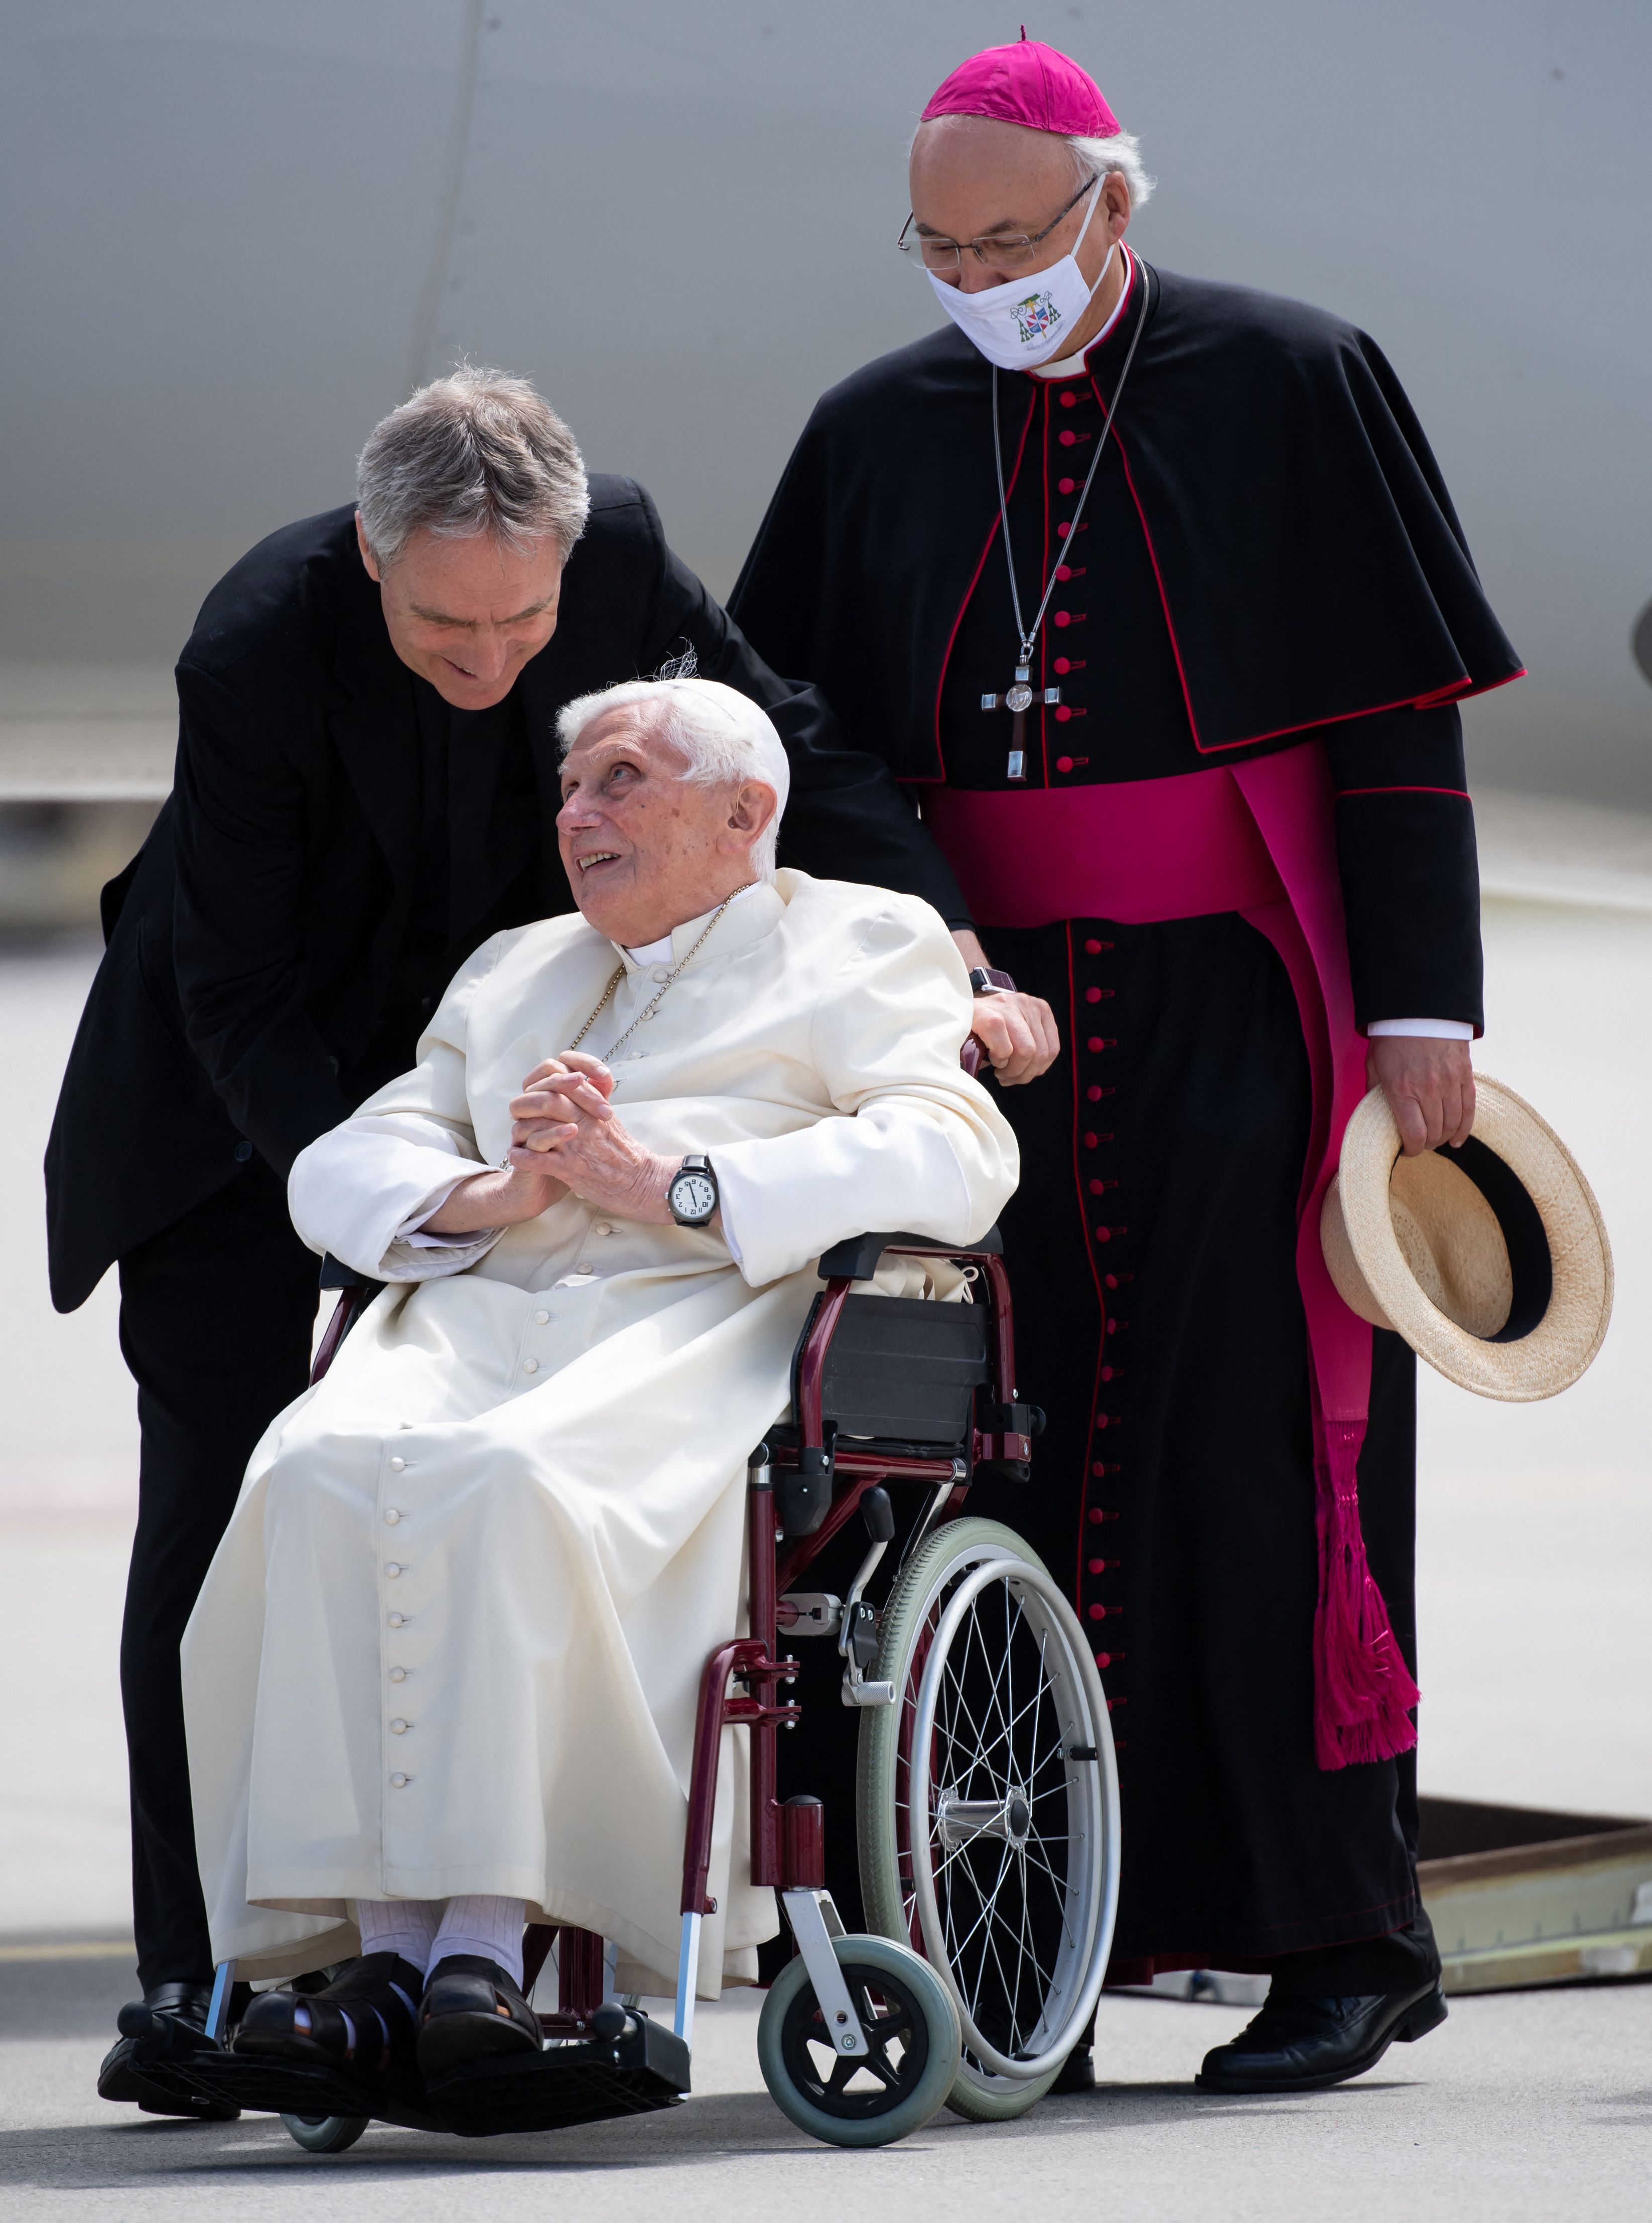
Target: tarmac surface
{"x": 1523, "y": 2106}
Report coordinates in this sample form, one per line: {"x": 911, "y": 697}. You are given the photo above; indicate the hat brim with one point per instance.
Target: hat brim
{"x": 1363, "y": 1252}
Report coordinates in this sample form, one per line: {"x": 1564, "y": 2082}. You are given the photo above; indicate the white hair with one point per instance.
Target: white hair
{"x": 724, "y": 735}
{"x": 477, "y": 452}
{"x": 1123, "y": 153}
{"x": 1097, "y": 158}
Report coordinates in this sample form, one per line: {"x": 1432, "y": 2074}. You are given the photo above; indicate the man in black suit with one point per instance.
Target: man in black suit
{"x": 365, "y": 789}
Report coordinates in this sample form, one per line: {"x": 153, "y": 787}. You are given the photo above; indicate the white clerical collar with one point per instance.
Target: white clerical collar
{"x": 660, "y": 952}
{"x": 1073, "y": 366}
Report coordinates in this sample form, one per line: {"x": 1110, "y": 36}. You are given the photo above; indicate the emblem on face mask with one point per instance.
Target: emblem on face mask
{"x": 1036, "y": 317}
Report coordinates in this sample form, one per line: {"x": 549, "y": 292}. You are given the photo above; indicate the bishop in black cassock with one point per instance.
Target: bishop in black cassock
{"x": 1267, "y": 565}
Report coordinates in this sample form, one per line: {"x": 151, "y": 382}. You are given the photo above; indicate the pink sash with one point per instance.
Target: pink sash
{"x": 1258, "y": 839}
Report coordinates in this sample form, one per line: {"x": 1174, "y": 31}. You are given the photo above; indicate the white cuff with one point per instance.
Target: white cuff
{"x": 1430, "y": 1029}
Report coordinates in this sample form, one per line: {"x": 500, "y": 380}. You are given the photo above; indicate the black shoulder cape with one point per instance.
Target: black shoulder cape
{"x": 1311, "y": 564}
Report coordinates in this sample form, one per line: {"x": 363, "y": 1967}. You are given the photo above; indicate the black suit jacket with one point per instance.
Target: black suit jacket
{"x": 252, "y": 941}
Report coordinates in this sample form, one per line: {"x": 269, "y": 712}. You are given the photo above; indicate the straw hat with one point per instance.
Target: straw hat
{"x": 1491, "y": 1260}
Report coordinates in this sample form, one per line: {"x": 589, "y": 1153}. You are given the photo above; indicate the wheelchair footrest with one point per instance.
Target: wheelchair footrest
{"x": 263, "y": 2084}
{"x": 587, "y": 2082}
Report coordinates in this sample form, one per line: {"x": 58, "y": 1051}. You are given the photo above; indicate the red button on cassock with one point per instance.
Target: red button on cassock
{"x": 1104, "y": 1659}
{"x": 1069, "y": 401}
{"x": 1065, "y": 486}
{"x": 1063, "y": 617}
{"x": 1092, "y": 948}
{"x": 1098, "y": 1188}
{"x": 1098, "y": 1566}
{"x": 1091, "y": 995}
{"x": 1103, "y": 1235}
{"x": 1068, "y": 439}
{"x": 1063, "y": 764}
{"x": 1062, "y": 665}
{"x": 1094, "y": 1094}
{"x": 1063, "y": 530}
{"x": 1063, "y": 571}
{"x": 1062, "y": 714}
{"x": 1098, "y": 1613}
{"x": 1094, "y": 1043}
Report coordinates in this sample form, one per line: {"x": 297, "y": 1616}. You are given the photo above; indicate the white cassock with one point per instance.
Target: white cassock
{"x": 452, "y": 1638}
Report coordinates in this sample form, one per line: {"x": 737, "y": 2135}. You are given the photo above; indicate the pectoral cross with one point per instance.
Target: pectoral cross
{"x": 1018, "y": 701}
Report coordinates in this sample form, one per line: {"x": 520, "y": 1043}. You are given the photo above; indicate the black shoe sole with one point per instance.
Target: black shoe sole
{"x": 1427, "y": 2013}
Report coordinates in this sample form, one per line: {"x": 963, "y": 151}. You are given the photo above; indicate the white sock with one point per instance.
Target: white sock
{"x": 491, "y": 1928}
{"x": 406, "y": 1926}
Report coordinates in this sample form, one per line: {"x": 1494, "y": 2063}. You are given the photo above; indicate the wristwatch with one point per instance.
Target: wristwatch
{"x": 985, "y": 980}
{"x": 692, "y": 1195}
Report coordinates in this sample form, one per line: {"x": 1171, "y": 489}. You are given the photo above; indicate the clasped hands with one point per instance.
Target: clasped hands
{"x": 566, "y": 1139}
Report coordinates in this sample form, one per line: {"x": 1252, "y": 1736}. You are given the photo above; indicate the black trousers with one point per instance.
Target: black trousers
{"x": 217, "y": 1315}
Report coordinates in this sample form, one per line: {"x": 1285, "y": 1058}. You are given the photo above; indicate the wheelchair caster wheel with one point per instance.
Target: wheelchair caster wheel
{"x": 911, "y": 2026}
{"x": 326, "y": 2134}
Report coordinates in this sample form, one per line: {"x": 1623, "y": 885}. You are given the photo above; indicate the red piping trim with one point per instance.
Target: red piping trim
{"x": 1343, "y": 792}
{"x": 1164, "y": 600}
{"x": 975, "y": 581}
{"x": 1044, "y": 573}
{"x": 1089, "y": 1256}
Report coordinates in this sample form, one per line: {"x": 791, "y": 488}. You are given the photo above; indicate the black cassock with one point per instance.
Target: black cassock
{"x": 1268, "y": 557}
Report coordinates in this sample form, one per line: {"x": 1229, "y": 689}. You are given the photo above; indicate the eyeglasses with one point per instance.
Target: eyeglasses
{"x": 1011, "y": 251}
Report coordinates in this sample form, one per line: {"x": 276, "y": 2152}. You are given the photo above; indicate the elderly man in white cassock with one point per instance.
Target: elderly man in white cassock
{"x": 441, "y": 1678}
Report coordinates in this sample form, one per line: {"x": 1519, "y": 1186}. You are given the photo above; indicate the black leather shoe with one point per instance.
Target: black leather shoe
{"x": 1303, "y": 2045}
{"x": 472, "y": 2012}
{"x": 1076, "y": 2074}
{"x": 169, "y": 2021}
{"x": 362, "y": 2023}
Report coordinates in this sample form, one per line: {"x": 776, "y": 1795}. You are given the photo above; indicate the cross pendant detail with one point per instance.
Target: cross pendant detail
{"x": 1018, "y": 701}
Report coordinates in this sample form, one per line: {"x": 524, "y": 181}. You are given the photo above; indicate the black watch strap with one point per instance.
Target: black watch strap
{"x": 986, "y": 980}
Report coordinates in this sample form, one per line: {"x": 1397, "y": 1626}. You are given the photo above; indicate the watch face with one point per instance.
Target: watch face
{"x": 693, "y": 1196}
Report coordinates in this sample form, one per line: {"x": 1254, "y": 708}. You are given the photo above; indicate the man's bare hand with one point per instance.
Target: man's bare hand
{"x": 564, "y": 1125}
{"x": 493, "y": 1200}
{"x": 1018, "y": 1031}
{"x": 1430, "y": 1085}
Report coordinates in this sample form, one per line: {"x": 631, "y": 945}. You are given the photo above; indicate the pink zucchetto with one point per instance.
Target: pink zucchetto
{"x": 1029, "y": 83}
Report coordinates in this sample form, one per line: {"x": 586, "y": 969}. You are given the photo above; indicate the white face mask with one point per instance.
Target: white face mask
{"x": 1030, "y": 320}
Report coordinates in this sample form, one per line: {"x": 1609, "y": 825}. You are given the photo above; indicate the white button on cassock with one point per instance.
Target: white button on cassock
{"x": 583, "y": 1267}
{"x": 396, "y": 1619}
{"x": 397, "y": 1782}
{"x": 602, "y": 1228}
{"x": 397, "y": 1728}
{"x": 393, "y": 1571}
{"x": 397, "y": 1464}
{"x": 398, "y": 1674}
{"x": 391, "y": 1516}
{"x": 540, "y": 1318}
{"x": 530, "y": 1366}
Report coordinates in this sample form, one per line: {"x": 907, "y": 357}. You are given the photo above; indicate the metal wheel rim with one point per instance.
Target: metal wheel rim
{"x": 1091, "y": 1806}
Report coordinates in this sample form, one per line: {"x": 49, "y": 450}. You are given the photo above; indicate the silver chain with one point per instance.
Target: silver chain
{"x": 1030, "y": 640}
{"x": 660, "y": 993}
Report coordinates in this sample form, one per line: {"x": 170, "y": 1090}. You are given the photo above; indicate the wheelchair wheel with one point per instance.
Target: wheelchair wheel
{"x": 989, "y": 1807}
{"x": 326, "y": 2134}
{"x": 912, "y": 2024}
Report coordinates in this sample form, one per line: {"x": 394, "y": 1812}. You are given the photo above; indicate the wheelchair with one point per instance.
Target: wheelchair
{"x": 987, "y": 1805}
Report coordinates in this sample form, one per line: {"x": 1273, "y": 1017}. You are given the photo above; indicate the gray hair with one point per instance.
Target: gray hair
{"x": 1122, "y": 153}
{"x": 1097, "y": 157}
{"x": 724, "y": 736}
{"x": 477, "y": 452}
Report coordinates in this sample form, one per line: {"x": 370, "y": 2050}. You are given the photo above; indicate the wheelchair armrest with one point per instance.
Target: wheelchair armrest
{"x": 335, "y": 1275}
{"x": 855, "y": 1259}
